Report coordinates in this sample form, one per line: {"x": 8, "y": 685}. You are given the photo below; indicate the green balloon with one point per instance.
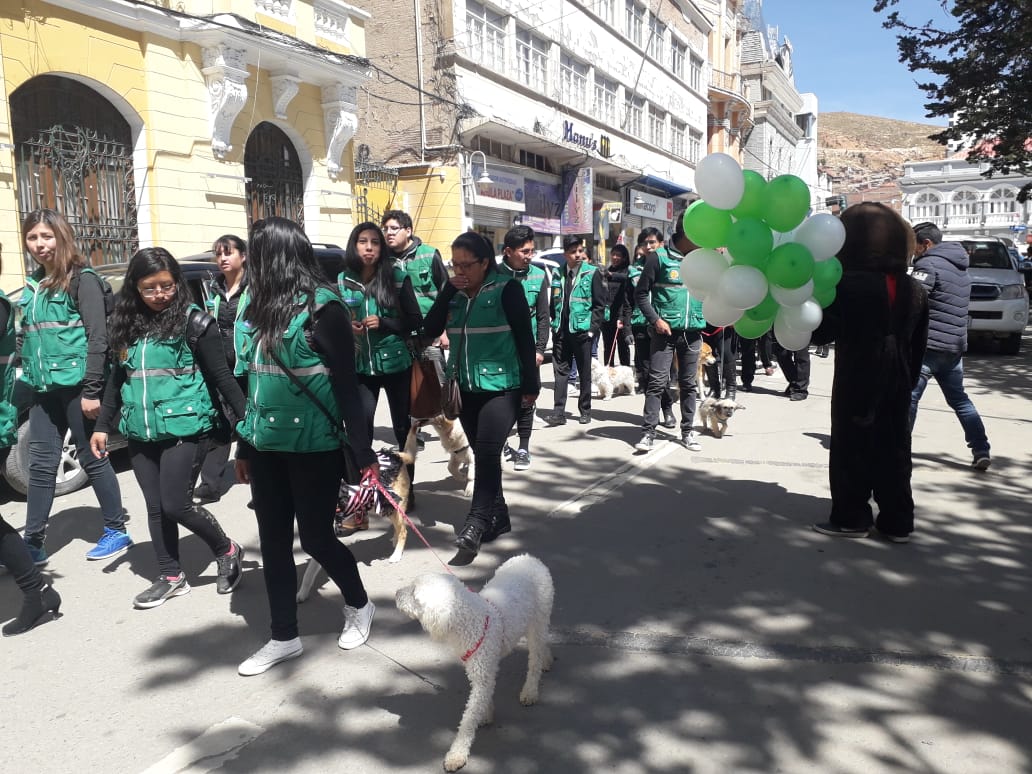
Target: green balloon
{"x": 786, "y": 200}
{"x": 790, "y": 265}
{"x": 766, "y": 309}
{"x": 706, "y": 226}
{"x": 751, "y": 205}
{"x": 748, "y": 328}
{"x": 827, "y": 273}
{"x": 750, "y": 241}
{"x": 824, "y": 296}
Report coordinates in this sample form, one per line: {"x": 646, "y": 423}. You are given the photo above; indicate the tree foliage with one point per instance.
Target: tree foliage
{"x": 981, "y": 63}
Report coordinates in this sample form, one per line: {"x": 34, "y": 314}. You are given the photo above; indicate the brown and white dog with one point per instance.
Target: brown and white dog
{"x": 706, "y": 358}
{"x": 454, "y": 441}
{"x": 716, "y": 413}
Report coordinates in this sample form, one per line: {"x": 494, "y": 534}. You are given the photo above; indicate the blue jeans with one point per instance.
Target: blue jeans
{"x": 948, "y": 370}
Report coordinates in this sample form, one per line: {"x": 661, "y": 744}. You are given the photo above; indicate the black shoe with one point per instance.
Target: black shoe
{"x": 37, "y": 607}
{"x": 229, "y": 569}
{"x": 421, "y": 439}
{"x": 746, "y": 388}
{"x": 508, "y": 453}
{"x": 500, "y": 524}
{"x": 585, "y": 418}
{"x": 669, "y": 421}
{"x": 204, "y": 494}
{"x": 798, "y": 395}
{"x": 162, "y": 589}
{"x": 470, "y": 537}
{"x": 834, "y": 530}
{"x": 556, "y": 418}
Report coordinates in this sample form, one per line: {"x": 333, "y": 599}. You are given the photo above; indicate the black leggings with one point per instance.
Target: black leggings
{"x": 165, "y": 471}
{"x": 487, "y": 418}
{"x": 397, "y": 386}
{"x": 285, "y": 485}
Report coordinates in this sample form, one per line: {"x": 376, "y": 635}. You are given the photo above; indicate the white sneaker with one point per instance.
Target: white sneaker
{"x": 691, "y": 441}
{"x": 270, "y": 654}
{"x": 356, "y": 625}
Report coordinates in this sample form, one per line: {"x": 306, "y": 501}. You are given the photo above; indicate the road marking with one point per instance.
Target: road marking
{"x": 701, "y": 646}
{"x": 219, "y": 744}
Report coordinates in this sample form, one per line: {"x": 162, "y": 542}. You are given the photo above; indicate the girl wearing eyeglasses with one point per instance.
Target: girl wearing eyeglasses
{"x": 63, "y": 359}
{"x": 161, "y": 394}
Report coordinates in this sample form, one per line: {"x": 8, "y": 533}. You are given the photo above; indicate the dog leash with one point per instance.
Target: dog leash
{"x": 612, "y": 350}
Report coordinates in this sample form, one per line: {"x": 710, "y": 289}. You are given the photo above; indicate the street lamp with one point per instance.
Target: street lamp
{"x": 484, "y": 179}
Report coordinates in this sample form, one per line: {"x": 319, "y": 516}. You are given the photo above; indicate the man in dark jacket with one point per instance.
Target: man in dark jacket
{"x": 942, "y": 268}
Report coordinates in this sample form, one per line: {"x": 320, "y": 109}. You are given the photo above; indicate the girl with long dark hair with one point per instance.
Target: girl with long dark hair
{"x": 296, "y": 344}
{"x": 161, "y": 394}
{"x": 384, "y": 311}
{"x": 63, "y": 358}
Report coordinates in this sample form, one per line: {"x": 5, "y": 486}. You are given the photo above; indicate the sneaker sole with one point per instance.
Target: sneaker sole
{"x": 850, "y": 534}
{"x": 259, "y": 670}
{"x": 121, "y": 550}
{"x": 520, "y": 467}
{"x": 186, "y": 588}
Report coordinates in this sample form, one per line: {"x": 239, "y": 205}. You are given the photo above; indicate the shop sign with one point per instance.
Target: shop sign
{"x": 544, "y": 206}
{"x": 504, "y": 192}
{"x": 602, "y": 146}
{"x": 580, "y": 200}
{"x": 651, "y": 207}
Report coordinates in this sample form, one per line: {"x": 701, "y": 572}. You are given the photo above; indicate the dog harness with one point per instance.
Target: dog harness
{"x": 469, "y": 653}
{"x": 362, "y": 500}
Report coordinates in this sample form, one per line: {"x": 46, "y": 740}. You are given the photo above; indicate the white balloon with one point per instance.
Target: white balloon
{"x": 720, "y": 181}
{"x": 793, "y": 296}
{"x": 701, "y": 270}
{"x": 742, "y": 287}
{"x": 789, "y": 337}
{"x": 718, "y": 312}
{"x": 823, "y": 235}
{"x": 803, "y": 318}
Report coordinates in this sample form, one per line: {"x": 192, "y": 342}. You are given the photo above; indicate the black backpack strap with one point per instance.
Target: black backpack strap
{"x": 197, "y": 322}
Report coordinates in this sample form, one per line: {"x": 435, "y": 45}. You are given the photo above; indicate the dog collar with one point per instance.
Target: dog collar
{"x": 469, "y": 653}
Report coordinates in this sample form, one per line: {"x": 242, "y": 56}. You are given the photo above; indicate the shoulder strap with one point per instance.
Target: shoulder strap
{"x": 197, "y": 322}
{"x": 334, "y": 424}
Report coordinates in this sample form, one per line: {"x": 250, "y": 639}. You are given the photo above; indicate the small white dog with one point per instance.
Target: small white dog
{"x": 612, "y": 380}
{"x": 454, "y": 441}
{"x": 481, "y": 629}
{"x": 716, "y": 413}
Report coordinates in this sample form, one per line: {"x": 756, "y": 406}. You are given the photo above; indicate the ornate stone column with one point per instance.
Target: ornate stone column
{"x": 284, "y": 88}
{"x": 225, "y": 71}
{"x": 340, "y": 118}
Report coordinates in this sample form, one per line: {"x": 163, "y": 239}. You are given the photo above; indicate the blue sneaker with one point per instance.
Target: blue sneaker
{"x": 111, "y": 543}
{"x": 39, "y": 554}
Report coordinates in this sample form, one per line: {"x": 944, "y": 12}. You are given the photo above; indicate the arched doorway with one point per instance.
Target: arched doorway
{"x": 276, "y": 182}
{"x": 74, "y": 154}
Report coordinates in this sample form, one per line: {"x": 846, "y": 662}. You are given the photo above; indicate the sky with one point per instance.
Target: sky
{"x": 841, "y": 53}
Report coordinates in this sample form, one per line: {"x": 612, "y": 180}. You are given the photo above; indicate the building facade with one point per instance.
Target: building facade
{"x": 730, "y": 112}
{"x": 150, "y": 126}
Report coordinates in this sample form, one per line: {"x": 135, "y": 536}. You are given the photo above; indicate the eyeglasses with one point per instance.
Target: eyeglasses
{"x": 392, "y": 229}
{"x": 465, "y": 266}
{"x": 164, "y": 290}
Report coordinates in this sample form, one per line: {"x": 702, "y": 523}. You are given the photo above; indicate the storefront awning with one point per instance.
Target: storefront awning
{"x": 668, "y": 187}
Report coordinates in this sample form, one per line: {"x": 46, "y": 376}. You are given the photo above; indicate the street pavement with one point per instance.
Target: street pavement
{"x": 699, "y": 624}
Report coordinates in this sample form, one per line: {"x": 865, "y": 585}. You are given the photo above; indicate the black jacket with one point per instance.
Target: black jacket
{"x": 943, "y": 272}
{"x": 618, "y": 296}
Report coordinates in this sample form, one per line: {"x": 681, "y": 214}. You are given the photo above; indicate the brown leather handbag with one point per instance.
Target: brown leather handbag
{"x": 425, "y": 395}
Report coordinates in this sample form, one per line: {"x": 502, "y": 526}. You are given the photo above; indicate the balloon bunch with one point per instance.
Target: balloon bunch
{"x": 778, "y": 269}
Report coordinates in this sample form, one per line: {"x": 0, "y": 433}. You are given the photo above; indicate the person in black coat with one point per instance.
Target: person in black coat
{"x": 616, "y": 328}
{"x": 879, "y": 323}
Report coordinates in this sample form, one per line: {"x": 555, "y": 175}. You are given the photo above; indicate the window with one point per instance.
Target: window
{"x": 486, "y": 33}
{"x": 695, "y": 77}
{"x": 635, "y": 22}
{"x": 634, "y": 109}
{"x": 574, "y": 77}
{"x": 926, "y": 206}
{"x": 532, "y": 61}
{"x": 605, "y": 100}
{"x": 657, "y": 126}
{"x": 965, "y": 202}
{"x": 657, "y": 30}
{"x": 694, "y": 145}
{"x": 606, "y": 10}
{"x": 1003, "y": 201}
{"x": 678, "y": 52}
{"x": 677, "y": 137}
{"x": 535, "y": 161}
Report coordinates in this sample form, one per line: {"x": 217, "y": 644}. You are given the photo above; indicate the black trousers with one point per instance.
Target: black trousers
{"x": 487, "y": 418}
{"x": 622, "y": 339}
{"x": 796, "y": 367}
{"x": 686, "y": 344}
{"x": 721, "y": 375}
{"x": 568, "y": 348}
{"x": 14, "y": 553}
{"x": 286, "y": 486}
{"x": 398, "y": 387}
{"x": 525, "y": 424}
{"x": 642, "y": 347}
{"x": 749, "y": 347}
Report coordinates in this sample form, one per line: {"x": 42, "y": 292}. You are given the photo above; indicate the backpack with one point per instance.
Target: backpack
{"x": 197, "y": 322}
{"x": 105, "y": 286}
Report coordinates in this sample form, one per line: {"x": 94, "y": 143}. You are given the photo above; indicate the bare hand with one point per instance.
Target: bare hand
{"x": 529, "y": 400}
{"x": 460, "y": 281}
{"x": 98, "y": 445}
{"x": 619, "y": 325}
{"x": 539, "y": 358}
{"x": 357, "y": 328}
{"x": 242, "y": 468}
{"x": 90, "y": 408}
{"x": 444, "y": 341}
{"x": 372, "y": 322}
{"x": 662, "y": 327}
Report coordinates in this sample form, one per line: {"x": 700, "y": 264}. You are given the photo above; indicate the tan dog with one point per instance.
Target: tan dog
{"x": 706, "y": 358}
{"x": 454, "y": 441}
{"x": 716, "y": 413}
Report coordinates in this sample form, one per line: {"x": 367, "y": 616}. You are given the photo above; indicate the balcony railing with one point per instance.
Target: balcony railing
{"x": 729, "y": 82}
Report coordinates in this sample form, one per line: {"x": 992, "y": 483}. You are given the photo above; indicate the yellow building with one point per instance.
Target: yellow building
{"x": 161, "y": 123}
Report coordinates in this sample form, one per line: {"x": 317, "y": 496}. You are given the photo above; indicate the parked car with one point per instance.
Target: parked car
{"x": 999, "y": 304}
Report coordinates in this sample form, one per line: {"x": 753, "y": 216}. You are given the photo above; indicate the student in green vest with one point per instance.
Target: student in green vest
{"x": 226, "y": 291}
{"x": 161, "y": 395}
{"x": 296, "y": 344}
{"x": 577, "y": 310}
{"x": 494, "y": 359}
{"x": 516, "y": 256}
{"x": 40, "y": 602}
{"x": 676, "y": 321}
{"x": 648, "y": 240}
{"x": 64, "y": 356}
{"x": 384, "y": 311}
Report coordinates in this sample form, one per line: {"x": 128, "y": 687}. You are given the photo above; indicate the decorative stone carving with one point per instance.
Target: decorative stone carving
{"x": 340, "y": 118}
{"x": 284, "y": 88}
{"x": 225, "y": 71}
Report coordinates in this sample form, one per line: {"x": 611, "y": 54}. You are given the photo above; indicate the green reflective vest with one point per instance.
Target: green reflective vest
{"x": 670, "y": 297}
{"x": 8, "y": 413}
{"x": 483, "y": 350}
{"x": 54, "y": 344}
{"x": 633, "y": 275}
{"x": 280, "y": 417}
{"x": 580, "y": 298}
{"x": 240, "y": 330}
{"x": 531, "y": 279}
{"x": 376, "y": 351}
{"x": 420, "y": 268}
{"x": 164, "y": 394}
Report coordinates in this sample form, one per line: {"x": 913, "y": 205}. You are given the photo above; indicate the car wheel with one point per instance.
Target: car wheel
{"x": 1011, "y": 345}
{"x": 70, "y": 474}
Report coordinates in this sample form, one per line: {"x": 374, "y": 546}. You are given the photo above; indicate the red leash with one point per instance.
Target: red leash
{"x": 612, "y": 351}
{"x": 397, "y": 506}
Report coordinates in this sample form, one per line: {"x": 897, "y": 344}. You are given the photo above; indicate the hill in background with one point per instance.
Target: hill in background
{"x": 864, "y": 151}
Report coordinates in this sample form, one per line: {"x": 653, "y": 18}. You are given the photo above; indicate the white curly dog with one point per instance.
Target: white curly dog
{"x": 480, "y": 629}
{"x": 612, "y": 380}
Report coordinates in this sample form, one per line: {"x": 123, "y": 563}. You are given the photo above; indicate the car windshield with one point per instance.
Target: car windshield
{"x": 987, "y": 255}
